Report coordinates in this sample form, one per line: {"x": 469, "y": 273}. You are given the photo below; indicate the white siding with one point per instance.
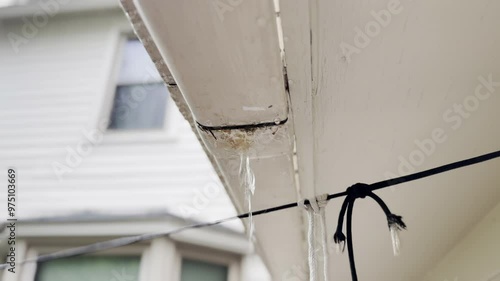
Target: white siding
{"x": 60, "y": 85}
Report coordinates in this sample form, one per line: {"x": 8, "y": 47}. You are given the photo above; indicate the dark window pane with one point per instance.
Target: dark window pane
{"x": 139, "y": 107}
{"x": 90, "y": 269}
{"x": 193, "y": 270}
{"x": 140, "y": 96}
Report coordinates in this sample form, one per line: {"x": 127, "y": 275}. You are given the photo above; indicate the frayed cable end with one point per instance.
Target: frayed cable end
{"x": 339, "y": 239}
{"x": 395, "y": 221}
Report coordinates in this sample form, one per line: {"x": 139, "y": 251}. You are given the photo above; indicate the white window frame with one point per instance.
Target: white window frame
{"x": 111, "y": 136}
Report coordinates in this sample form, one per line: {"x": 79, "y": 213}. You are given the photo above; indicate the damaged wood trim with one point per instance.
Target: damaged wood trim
{"x": 241, "y": 127}
{"x": 245, "y": 127}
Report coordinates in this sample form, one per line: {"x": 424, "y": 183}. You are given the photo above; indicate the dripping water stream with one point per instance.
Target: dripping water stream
{"x": 247, "y": 180}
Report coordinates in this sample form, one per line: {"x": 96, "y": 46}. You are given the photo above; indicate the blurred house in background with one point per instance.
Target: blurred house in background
{"x": 102, "y": 152}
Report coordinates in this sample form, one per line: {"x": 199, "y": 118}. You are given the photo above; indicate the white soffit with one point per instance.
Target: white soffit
{"x": 225, "y": 58}
{"x": 380, "y": 78}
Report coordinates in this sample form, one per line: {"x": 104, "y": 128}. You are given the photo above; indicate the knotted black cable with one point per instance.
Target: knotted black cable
{"x": 360, "y": 190}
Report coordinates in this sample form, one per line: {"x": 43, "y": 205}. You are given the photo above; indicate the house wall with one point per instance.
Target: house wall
{"x": 476, "y": 257}
{"x": 55, "y": 90}
{"x": 57, "y": 83}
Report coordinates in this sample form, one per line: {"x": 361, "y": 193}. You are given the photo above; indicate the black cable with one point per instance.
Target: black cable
{"x": 361, "y": 190}
{"x": 435, "y": 171}
{"x": 119, "y": 242}
{"x": 350, "y": 248}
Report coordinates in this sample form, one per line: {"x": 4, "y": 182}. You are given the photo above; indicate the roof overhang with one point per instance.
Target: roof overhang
{"x": 355, "y": 108}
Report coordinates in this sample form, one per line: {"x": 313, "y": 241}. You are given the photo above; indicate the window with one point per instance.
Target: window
{"x": 140, "y": 99}
{"x": 198, "y": 263}
{"x": 193, "y": 270}
{"x": 90, "y": 269}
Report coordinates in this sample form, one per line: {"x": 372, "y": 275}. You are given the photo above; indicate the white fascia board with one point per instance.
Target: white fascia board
{"x": 226, "y": 61}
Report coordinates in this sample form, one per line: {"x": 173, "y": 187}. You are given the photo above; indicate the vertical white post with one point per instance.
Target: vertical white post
{"x": 28, "y": 271}
{"x": 163, "y": 263}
